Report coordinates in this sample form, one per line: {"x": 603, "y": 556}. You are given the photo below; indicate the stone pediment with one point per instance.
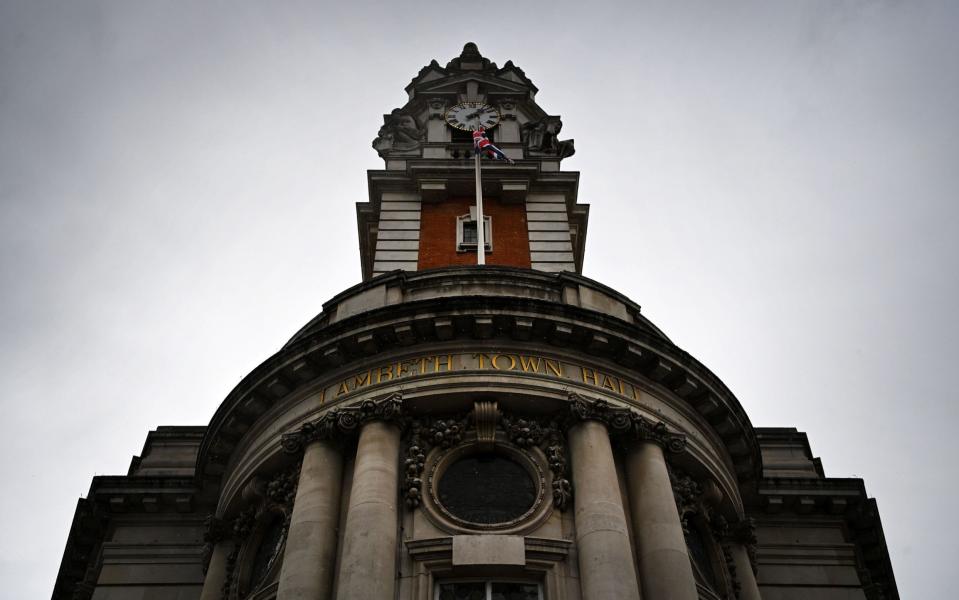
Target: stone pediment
{"x": 430, "y": 72}
{"x": 455, "y": 84}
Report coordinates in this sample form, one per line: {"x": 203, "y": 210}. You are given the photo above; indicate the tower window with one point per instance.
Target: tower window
{"x": 466, "y": 232}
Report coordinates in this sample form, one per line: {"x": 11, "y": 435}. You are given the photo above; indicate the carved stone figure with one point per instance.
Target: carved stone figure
{"x": 542, "y": 136}
{"x": 400, "y": 131}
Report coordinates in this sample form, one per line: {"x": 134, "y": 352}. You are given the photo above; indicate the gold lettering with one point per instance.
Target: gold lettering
{"x": 512, "y": 362}
{"x": 343, "y": 389}
{"x": 402, "y": 368}
{"x": 608, "y": 382}
{"x": 322, "y": 396}
{"x": 589, "y": 374}
{"x": 529, "y": 363}
{"x": 362, "y": 379}
{"x": 556, "y": 367}
{"x": 622, "y": 390}
{"x": 448, "y": 361}
{"x": 384, "y": 371}
{"x": 481, "y": 359}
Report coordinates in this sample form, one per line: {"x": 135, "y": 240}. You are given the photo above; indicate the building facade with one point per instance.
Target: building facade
{"x": 447, "y": 431}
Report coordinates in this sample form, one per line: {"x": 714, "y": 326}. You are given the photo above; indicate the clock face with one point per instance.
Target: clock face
{"x": 470, "y": 116}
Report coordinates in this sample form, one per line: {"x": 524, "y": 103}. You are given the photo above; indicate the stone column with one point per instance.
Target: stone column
{"x": 368, "y": 562}
{"x": 216, "y": 571}
{"x": 664, "y": 567}
{"x": 748, "y": 588}
{"x": 310, "y": 555}
{"x": 606, "y": 568}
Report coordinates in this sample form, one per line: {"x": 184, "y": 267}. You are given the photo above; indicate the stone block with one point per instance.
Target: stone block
{"x": 488, "y": 550}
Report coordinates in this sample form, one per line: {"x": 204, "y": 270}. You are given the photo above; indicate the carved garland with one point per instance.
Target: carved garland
{"x": 425, "y": 434}
{"x": 546, "y": 433}
{"x": 527, "y": 432}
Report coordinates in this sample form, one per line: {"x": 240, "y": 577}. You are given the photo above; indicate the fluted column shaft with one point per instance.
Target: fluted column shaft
{"x": 310, "y": 554}
{"x": 749, "y": 589}
{"x": 606, "y": 568}
{"x": 664, "y": 568}
{"x": 368, "y": 561}
{"x": 216, "y": 572}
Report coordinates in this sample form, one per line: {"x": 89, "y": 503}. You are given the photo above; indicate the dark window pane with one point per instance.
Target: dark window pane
{"x": 265, "y": 553}
{"x": 699, "y": 554}
{"x": 487, "y": 489}
{"x": 515, "y": 591}
{"x": 469, "y": 232}
{"x": 473, "y": 590}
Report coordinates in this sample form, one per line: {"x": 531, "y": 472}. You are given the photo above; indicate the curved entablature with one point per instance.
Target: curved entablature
{"x": 466, "y": 330}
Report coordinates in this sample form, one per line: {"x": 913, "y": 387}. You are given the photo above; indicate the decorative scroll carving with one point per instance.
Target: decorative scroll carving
{"x": 341, "y": 423}
{"x": 625, "y": 422}
{"x": 485, "y": 416}
{"x": 527, "y": 432}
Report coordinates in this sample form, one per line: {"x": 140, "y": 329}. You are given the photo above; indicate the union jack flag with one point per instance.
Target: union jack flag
{"x": 482, "y": 144}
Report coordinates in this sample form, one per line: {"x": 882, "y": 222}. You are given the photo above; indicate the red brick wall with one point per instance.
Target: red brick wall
{"x": 438, "y": 234}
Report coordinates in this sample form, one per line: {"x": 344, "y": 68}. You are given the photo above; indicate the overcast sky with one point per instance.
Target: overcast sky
{"x": 774, "y": 182}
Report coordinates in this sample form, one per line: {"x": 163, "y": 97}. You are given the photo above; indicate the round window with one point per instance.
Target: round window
{"x": 486, "y": 489}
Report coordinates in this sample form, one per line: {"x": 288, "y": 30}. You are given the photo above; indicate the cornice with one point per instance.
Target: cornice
{"x": 836, "y": 498}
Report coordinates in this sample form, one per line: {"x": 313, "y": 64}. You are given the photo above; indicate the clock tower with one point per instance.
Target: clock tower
{"x": 448, "y": 431}
{"x": 421, "y": 213}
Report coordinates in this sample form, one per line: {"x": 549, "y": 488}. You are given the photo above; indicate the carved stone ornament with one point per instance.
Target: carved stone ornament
{"x": 625, "y": 423}
{"x": 437, "y": 108}
{"x": 215, "y": 530}
{"x": 241, "y": 528}
{"x": 264, "y": 498}
{"x": 699, "y": 499}
{"x": 427, "y": 433}
{"x": 542, "y": 136}
{"x": 400, "y": 132}
{"x": 339, "y": 424}
{"x": 485, "y": 417}
{"x": 527, "y": 432}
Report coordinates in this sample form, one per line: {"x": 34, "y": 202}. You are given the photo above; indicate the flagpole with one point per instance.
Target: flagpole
{"x": 480, "y": 223}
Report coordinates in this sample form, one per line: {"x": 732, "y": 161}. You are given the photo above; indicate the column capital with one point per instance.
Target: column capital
{"x": 340, "y": 424}
{"x": 625, "y": 423}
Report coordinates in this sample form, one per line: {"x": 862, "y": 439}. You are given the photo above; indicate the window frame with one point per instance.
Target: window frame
{"x": 463, "y": 246}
